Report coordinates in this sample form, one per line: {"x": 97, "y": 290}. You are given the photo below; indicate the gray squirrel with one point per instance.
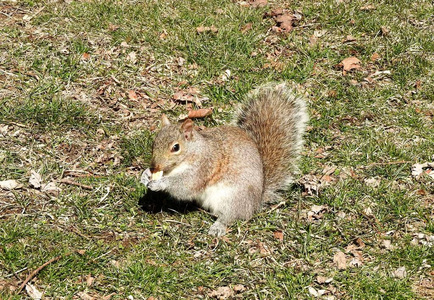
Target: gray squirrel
{"x": 231, "y": 169}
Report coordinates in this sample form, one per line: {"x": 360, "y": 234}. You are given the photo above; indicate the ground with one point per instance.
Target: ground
{"x": 82, "y": 87}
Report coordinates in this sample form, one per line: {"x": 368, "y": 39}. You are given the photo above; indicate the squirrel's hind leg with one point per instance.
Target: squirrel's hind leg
{"x": 217, "y": 229}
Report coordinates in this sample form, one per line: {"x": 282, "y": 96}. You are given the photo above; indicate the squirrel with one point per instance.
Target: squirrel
{"x": 231, "y": 170}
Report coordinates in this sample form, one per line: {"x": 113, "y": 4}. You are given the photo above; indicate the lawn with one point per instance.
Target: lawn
{"x": 84, "y": 83}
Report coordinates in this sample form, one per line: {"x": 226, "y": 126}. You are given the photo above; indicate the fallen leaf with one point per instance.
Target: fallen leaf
{"x": 284, "y": 22}
{"x": 85, "y": 56}
{"x": 350, "y": 63}
{"x": 375, "y": 56}
{"x": 387, "y": 244}
{"x": 316, "y": 293}
{"x": 246, "y": 27}
{"x": 89, "y": 280}
{"x": 35, "y": 180}
{"x": 51, "y": 188}
{"x": 368, "y": 7}
{"x": 400, "y": 273}
{"x": 206, "y": 29}
{"x": 372, "y": 182}
{"x": 417, "y": 170}
{"x": 113, "y": 27}
{"x": 33, "y": 292}
{"x": 278, "y": 235}
{"x": 258, "y": 3}
{"x": 323, "y": 279}
{"x": 132, "y": 95}
{"x": 200, "y": 113}
{"x": 10, "y": 184}
{"x": 340, "y": 260}
{"x": 223, "y": 292}
{"x": 85, "y": 296}
{"x": 384, "y": 31}
{"x": 348, "y": 39}
{"x": 239, "y": 288}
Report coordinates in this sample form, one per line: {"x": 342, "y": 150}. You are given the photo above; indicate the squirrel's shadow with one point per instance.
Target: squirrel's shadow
{"x": 155, "y": 202}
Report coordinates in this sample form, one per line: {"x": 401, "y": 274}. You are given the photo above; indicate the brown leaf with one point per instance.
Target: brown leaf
{"x": 340, "y": 260}
{"x": 239, "y": 288}
{"x": 285, "y": 22}
{"x": 89, "y": 280}
{"x": 200, "y": 113}
{"x": 350, "y": 63}
{"x": 132, "y": 95}
{"x": 35, "y": 179}
{"x": 223, "y": 292}
{"x": 375, "y": 56}
{"x": 367, "y": 7}
{"x": 85, "y": 56}
{"x": 206, "y": 29}
{"x": 258, "y": 3}
{"x": 113, "y": 27}
{"x": 278, "y": 235}
{"x": 246, "y": 27}
{"x": 10, "y": 185}
{"x": 349, "y": 39}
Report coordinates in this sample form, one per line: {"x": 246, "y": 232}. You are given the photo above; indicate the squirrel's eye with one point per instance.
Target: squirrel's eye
{"x": 175, "y": 148}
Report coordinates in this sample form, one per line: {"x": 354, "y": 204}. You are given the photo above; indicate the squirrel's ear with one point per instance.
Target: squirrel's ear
{"x": 187, "y": 128}
{"x": 164, "y": 120}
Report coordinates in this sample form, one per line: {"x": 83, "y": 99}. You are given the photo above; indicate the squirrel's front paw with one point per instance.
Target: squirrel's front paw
{"x": 217, "y": 229}
{"x": 156, "y": 185}
{"x": 146, "y": 177}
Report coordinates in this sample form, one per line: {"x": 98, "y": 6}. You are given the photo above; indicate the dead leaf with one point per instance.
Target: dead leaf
{"x": 349, "y": 39}
{"x": 200, "y": 113}
{"x": 350, "y": 63}
{"x": 246, "y": 27}
{"x": 359, "y": 242}
{"x": 316, "y": 293}
{"x": 51, "y": 188}
{"x": 85, "y": 296}
{"x": 284, "y": 22}
{"x": 85, "y": 56}
{"x": 340, "y": 260}
{"x": 367, "y": 7}
{"x": 258, "y": 3}
{"x": 113, "y": 27}
{"x": 278, "y": 235}
{"x": 206, "y": 29}
{"x": 373, "y": 182}
{"x": 375, "y": 56}
{"x": 417, "y": 170}
{"x": 384, "y": 31}
{"x": 33, "y": 292}
{"x": 132, "y": 95}
{"x": 387, "y": 244}
{"x": 323, "y": 279}
{"x": 35, "y": 180}
{"x": 239, "y": 288}
{"x": 89, "y": 280}
{"x": 223, "y": 292}
{"x": 10, "y": 184}
{"x": 400, "y": 273}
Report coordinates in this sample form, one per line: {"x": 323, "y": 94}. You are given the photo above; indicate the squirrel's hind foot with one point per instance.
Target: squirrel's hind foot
{"x": 217, "y": 229}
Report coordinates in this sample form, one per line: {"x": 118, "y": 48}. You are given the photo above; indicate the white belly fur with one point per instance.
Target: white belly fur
{"x": 216, "y": 197}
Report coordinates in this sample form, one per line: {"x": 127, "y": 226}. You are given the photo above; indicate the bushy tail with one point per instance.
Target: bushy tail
{"x": 275, "y": 117}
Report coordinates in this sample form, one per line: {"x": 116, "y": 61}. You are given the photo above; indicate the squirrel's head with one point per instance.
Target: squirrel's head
{"x": 170, "y": 144}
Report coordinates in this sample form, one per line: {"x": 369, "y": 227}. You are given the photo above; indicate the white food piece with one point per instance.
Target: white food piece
{"x": 156, "y": 175}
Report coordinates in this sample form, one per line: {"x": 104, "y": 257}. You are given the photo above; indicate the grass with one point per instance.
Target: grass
{"x": 66, "y": 72}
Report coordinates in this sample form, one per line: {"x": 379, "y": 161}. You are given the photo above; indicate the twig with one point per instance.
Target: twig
{"x": 84, "y": 186}
{"x": 33, "y": 274}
